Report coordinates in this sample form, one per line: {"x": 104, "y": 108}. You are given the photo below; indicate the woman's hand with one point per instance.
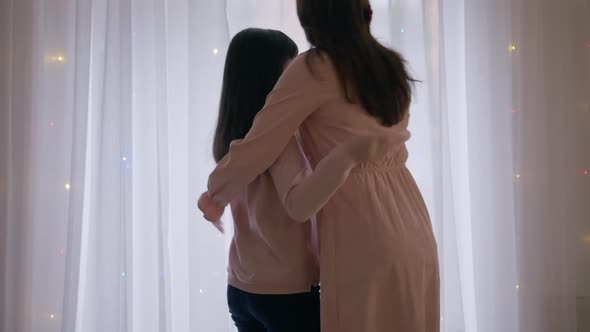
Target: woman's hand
{"x": 211, "y": 211}
{"x": 367, "y": 148}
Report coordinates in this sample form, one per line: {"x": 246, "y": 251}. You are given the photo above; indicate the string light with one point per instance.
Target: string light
{"x": 124, "y": 158}
{"x": 51, "y": 316}
{"x": 403, "y": 30}
{"x": 215, "y": 51}
{"x": 51, "y": 124}
{"x": 57, "y": 59}
{"x": 513, "y": 48}
{"x": 62, "y": 252}
{"x": 517, "y": 176}
{"x": 201, "y": 291}
{"x": 123, "y": 274}
{"x": 517, "y": 286}
{"x": 67, "y": 186}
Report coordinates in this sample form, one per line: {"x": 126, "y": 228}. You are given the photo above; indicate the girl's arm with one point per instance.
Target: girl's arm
{"x": 304, "y": 195}
{"x": 298, "y": 94}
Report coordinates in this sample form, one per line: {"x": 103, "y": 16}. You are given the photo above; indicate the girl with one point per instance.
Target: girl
{"x": 378, "y": 255}
{"x": 273, "y": 267}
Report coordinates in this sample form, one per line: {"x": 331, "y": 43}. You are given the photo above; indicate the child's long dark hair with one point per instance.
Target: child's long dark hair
{"x": 369, "y": 73}
{"x": 255, "y": 60}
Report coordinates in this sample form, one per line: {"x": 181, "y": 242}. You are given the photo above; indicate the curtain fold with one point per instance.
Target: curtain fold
{"x": 107, "y": 113}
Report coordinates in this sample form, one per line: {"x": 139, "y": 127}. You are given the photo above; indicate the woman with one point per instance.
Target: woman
{"x": 273, "y": 270}
{"x": 378, "y": 255}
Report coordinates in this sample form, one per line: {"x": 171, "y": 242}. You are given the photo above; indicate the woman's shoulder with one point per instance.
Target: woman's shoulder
{"x": 310, "y": 64}
{"x": 312, "y": 58}
{"x": 300, "y": 65}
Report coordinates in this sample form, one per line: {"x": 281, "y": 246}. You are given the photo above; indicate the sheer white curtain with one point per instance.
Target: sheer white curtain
{"x": 107, "y": 114}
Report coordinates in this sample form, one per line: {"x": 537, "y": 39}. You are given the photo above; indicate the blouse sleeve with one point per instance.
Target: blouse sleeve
{"x": 297, "y": 94}
{"x": 302, "y": 192}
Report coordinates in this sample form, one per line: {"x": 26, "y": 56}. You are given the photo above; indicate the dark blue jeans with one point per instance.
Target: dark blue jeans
{"x": 275, "y": 313}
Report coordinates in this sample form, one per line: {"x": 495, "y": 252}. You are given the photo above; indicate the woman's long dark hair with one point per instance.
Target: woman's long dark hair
{"x": 255, "y": 61}
{"x": 369, "y": 73}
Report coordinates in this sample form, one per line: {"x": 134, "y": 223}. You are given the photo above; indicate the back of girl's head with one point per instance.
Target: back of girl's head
{"x": 369, "y": 73}
{"x": 255, "y": 61}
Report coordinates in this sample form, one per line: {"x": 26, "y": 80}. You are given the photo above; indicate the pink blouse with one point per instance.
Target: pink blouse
{"x": 273, "y": 251}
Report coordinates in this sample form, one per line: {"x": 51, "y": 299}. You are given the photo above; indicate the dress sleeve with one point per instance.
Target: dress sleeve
{"x": 302, "y": 191}
{"x": 297, "y": 94}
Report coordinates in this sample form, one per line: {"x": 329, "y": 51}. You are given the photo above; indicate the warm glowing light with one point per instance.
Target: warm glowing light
{"x": 56, "y": 58}
{"x": 517, "y": 176}
{"x": 201, "y": 291}
{"x": 52, "y": 316}
{"x": 513, "y": 48}
{"x": 51, "y": 124}
{"x": 68, "y": 186}
{"x": 215, "y": 51}
{"x": 517, "y": 286}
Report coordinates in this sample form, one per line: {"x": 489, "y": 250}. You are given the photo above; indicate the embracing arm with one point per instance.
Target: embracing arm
{"x": 297, "y": 94}
{"x": 304, "y": 195}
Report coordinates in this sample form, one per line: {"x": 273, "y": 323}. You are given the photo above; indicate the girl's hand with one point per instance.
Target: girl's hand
{"x": 211, "y": 211}
{"x": 367, "y": 148}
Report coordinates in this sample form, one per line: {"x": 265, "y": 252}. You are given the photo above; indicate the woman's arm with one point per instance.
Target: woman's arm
{"x": 297, "y": 95}
{"x": 304, "y": 195}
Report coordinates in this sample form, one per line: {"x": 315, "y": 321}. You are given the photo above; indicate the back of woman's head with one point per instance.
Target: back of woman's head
{"x": 255, "y": 60}
{"x": 369, "y": 73}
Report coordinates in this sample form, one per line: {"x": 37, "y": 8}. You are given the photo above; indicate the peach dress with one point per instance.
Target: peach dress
{"x": 378, "y": 256}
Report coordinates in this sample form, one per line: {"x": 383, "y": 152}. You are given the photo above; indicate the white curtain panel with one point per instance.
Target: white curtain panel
{"x": 108, "y": 109}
